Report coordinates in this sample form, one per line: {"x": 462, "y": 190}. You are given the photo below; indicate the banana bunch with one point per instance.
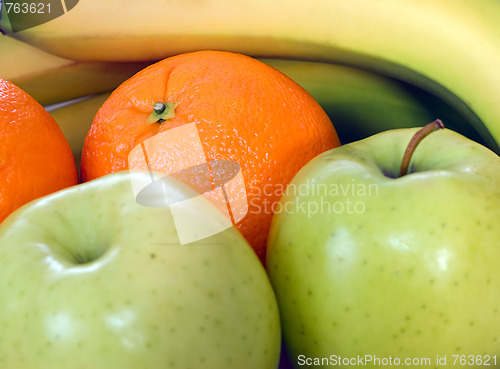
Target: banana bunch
{"x": 449, "y": 48}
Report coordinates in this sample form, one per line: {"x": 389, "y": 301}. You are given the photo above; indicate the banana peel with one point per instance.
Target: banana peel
{"x": 50, "y": 79}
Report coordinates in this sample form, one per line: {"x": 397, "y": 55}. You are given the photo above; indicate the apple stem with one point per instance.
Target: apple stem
{"x": 415, "y": 140}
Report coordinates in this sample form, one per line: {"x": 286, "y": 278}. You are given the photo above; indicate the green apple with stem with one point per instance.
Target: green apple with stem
{"x": 89, "y": 278}
{"x": 388, "y": 248}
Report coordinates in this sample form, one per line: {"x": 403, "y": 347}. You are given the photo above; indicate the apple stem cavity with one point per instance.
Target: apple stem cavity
{"x": 162, "y": 112}
{"x": 415, "y": 140}
{"x": 89, "y": 257}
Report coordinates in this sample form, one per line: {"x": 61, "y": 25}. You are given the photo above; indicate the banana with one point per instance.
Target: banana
{"x": 448, "y": 47}
{"x": 49, "y": 79}
{"x": 359, "y": 103}
{"x": 75, "y": 118}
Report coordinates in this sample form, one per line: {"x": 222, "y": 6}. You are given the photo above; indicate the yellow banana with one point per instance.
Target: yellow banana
{"x": 75, "y": 118}
{"x": 360, "y": 103}
{"x": 50, "y": 79}
{"x": 449, "y": 47}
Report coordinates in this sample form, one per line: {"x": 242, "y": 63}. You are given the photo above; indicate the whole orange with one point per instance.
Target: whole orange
{"x": 35, "y": 158}
{"x": 244, "y": 111}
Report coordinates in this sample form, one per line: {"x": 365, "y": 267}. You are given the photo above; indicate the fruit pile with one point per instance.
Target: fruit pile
{"x": 221, "y": 190}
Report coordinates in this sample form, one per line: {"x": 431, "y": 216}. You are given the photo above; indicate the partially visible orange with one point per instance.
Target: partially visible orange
{"x": 244, "y": 111}
{"x": 35, "y": 158}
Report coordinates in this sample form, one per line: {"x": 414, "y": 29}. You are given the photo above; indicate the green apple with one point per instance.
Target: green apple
{"x": 91, "y": 279}
{"x": 373, "y": 269}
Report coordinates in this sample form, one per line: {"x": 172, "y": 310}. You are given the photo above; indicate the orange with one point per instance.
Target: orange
{"x": 244, "y": 111}
{"x": 35, "y": 158}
